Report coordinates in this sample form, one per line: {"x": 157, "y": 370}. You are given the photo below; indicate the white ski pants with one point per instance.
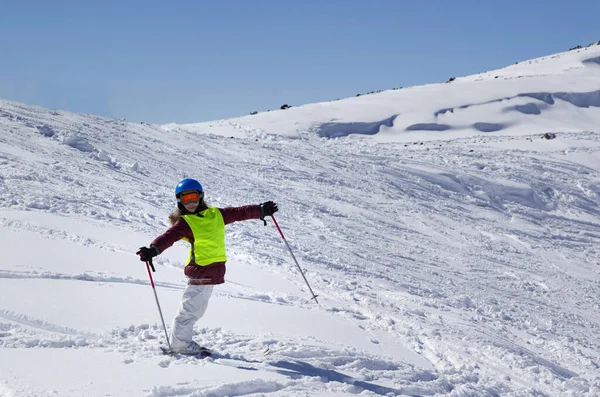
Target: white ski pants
{"x": 193, "y": 305}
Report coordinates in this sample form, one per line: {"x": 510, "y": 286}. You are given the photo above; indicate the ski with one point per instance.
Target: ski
{"x": 219, "y": 357}
{"x": 203, "y": 354}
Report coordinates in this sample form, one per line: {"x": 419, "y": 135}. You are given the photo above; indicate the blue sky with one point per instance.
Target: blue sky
{"x": 191, "y": 60}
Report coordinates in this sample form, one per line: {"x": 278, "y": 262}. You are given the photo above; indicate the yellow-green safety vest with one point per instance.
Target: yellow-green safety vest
{"x": 208, "y": 229}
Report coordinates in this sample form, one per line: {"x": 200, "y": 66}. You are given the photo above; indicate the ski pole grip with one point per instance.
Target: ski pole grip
{"x": 151, "y": 265}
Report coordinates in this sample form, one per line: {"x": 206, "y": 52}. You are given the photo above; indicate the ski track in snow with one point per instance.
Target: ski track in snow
{"x": 468, "y": 260}
{"x": 301, "y": 363}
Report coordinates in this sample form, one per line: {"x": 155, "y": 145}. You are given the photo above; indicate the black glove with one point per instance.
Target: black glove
{"x": 146, "y": 254}
{"x": 268, "y": 208}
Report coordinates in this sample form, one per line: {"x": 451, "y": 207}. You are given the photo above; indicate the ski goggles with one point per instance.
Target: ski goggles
{"x": 190, "y": 197}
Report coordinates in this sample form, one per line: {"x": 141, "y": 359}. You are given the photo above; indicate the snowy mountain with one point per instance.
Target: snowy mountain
{"x": 453, "y": 249}
{"x": 553, "y": 93}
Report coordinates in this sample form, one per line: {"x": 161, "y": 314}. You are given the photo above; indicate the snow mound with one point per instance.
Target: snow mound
{"x": 337, "y": 130}
{"x": 593, "y": 60}
{"x": 78, "y": 142}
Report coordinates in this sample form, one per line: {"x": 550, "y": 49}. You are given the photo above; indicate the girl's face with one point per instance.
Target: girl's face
{"x": 191, "y": 207}
{"x": 190, "y": 200}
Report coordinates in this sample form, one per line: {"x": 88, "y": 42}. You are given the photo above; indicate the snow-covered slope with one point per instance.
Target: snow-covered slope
{"x": 448, "y": 263}
{"x": 552, "y": 93}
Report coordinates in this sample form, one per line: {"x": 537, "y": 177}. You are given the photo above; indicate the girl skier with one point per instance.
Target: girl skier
{"x": 204, "y": 228}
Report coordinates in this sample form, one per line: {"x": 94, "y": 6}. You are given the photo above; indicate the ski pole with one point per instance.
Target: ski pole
{"x": 148, "y": 264}
{"x": 293, "y": 257}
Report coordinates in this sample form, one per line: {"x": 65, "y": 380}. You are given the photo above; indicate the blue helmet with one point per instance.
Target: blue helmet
{"x": 188, "y": 184}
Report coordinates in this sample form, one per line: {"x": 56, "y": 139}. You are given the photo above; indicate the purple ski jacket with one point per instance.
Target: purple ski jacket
{"x": 215, "y": 272}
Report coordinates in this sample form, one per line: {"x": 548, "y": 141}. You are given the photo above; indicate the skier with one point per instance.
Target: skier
{"x": 204, "y": 228}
